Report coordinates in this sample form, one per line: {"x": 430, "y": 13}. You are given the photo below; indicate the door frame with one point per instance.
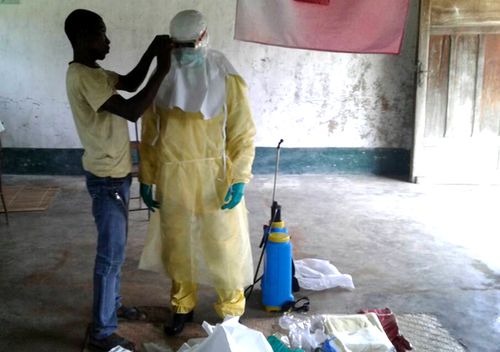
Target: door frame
{"x": 421, "y": 87}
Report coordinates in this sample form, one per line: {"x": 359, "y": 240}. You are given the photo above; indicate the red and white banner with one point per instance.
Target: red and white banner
{"x": 354, "y": 26}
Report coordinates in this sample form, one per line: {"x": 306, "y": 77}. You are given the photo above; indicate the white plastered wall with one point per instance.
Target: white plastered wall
{"x": 310, "y": 99}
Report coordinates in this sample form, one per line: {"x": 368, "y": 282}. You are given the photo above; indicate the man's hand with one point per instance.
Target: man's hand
{"x": 147, "y": 197}
{"x": 234, "y": 195}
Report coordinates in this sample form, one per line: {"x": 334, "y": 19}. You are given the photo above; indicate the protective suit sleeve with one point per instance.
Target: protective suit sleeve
{"x": 148, "y": 147}
{"x": 240, "y": 130}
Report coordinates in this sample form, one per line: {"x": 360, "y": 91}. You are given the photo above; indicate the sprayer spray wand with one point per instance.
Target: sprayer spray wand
{"x": 275, "y": 213}
{"x": 278, "y": 149}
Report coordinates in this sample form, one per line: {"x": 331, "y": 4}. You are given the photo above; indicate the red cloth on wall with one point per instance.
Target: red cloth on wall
{"x": 356, "y": 26}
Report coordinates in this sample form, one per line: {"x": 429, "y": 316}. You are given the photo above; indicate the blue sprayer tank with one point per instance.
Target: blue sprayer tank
{"x": 277, "y": 276}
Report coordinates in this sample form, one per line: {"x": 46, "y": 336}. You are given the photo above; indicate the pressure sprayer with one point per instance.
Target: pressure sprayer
{"x": 276, "y": 246}
{"x": 277, "y": 278}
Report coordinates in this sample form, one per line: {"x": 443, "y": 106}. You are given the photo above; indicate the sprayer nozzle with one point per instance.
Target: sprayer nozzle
{"x": 275, "y": 212}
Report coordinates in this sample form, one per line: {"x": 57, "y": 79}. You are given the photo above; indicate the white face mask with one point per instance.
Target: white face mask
{"x": 190, "y": 56}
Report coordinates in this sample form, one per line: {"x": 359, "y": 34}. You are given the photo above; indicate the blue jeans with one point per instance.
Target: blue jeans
{"x": 110, "y": 198}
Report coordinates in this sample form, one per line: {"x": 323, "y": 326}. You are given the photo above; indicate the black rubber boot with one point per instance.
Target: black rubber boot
{"x": 178, "y": 322}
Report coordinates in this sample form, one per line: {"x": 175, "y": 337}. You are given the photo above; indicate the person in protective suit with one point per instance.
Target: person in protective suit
{"x": 197, "y": 149}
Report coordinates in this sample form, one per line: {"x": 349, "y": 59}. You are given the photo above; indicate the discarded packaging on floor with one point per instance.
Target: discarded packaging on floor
{"x": 230, "y": 336}
{"x": 119, "y": 349}
{"x": 306, "y": 332}
{"x": 317, "y": 274}
{"x": 339, "y": 333}
{"x": 357, "y": 333}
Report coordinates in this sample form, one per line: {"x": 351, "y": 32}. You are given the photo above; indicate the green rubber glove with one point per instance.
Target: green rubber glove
{"x": 234, "y": 195}
{"x": 147, "y": 197}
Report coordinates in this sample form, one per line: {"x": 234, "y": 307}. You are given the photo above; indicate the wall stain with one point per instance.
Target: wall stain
{"x": 356, "y": 102}
{"x": 376, "y": 108}
{"x": 332, "y": 125}
{"x": 298, "y": 79}
{"x": 384, "y": 102}
{"x": 325, "y": 85}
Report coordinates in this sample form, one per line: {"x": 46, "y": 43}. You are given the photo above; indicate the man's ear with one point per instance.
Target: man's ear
{"x": 81, "y": 38}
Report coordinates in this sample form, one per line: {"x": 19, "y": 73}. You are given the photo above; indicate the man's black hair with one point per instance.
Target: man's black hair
{"x": 80, "y": 22}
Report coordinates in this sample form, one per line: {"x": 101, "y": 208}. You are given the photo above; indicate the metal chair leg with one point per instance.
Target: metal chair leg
{"x": 6, "y": 211}
{"x": 4, "y": 204}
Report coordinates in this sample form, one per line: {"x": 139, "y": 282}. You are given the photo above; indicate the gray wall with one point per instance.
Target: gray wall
{"x": 310, "y": 99}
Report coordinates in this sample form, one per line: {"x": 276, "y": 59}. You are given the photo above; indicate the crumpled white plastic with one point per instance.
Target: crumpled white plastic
{"x": 230, "y": 336}
{"x": 318, "y": 274}
{"x": 305, "y": 332}
{"x": 119, "y": 349}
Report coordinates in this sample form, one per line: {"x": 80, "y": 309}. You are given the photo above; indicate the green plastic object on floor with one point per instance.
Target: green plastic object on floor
{"x": 279, "y": 346}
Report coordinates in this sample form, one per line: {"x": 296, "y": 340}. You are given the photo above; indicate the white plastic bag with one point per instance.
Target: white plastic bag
{"x": 317, "y": 274}
{"x": 230, "y": 336}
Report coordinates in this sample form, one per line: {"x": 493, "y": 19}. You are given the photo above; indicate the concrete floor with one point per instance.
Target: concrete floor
{"x": 412, "y": 248}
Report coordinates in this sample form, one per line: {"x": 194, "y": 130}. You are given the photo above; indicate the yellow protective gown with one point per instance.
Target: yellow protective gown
{"x": 193, "y": 162}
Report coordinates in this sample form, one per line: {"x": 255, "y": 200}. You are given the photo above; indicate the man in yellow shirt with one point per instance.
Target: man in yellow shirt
{"x": 197, "y": 147}
{"x": 100, "y": 116}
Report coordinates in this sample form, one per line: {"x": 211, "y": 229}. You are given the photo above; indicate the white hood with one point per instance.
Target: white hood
{"x": 197, "y": 88}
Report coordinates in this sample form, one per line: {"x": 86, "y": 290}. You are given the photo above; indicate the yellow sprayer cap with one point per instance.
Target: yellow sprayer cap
{"x": 279, "y": 237}
{"x": 278, "y": 224}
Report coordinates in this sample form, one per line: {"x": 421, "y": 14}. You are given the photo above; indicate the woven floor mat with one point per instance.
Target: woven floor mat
{"x": 426, "y": 334}
{"x": 27, "y": 198}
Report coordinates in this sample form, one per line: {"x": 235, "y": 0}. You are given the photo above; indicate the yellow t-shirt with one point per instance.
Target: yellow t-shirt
{"x": 104, "y": 136}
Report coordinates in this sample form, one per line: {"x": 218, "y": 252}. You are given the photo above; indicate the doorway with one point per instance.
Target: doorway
{"x": 457, "y": 121}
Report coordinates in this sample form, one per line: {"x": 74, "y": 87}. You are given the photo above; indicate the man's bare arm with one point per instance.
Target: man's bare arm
{"x": 132, "y": 108}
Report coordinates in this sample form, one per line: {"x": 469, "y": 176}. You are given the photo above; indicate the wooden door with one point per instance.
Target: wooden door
{"x": 457, "y": 123}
